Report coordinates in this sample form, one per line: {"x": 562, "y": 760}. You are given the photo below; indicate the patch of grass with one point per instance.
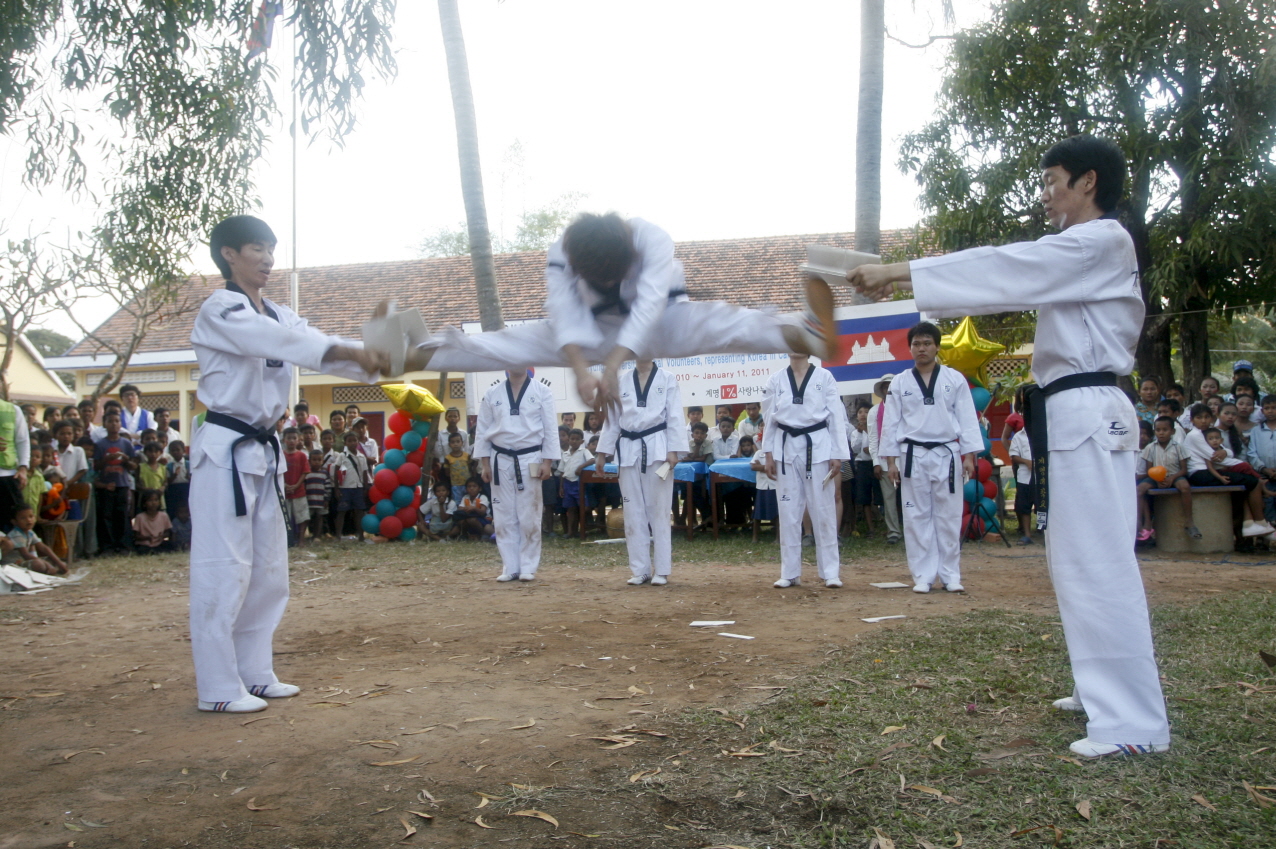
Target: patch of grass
{"x": 984, "y": 682}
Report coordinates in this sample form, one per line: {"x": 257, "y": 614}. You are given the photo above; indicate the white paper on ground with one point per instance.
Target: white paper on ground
{"x": 734, "y": 636}
{"x": 663, "y": 471}
{"x": 603, "y": 541}
{"x": 712, "y": 623}
{"x": 833, "y": 264}
{"x": 890, "y": 585}
{"x": 883, "y": 618}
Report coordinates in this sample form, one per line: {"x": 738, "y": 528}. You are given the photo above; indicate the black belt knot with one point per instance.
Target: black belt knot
{"x": 1034, "y": 421}
{"x": 800, "y": 431}
{"x": 640, "y": 435}
{"x": 518, "y": 467}
{"x": 931, "y": 446}
{"x": 248, "y": 433}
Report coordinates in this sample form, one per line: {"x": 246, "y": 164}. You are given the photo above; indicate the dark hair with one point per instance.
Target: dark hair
{"x": 111, "y": 402}
{"x": 1151, "y": 379}
{"x": 562, "y": 428}
{"x": 65, "y": 423}
{"x": 1210, "y": 430}
{"x": 1177, "y": 386}
{"x": 107, "y": 413}
{"x": 475, "y": 481}
{"x": 159, "y": 410}
{"x": 453, "y": 410}
{"x": 454, "y": 436}
{"x": 234, "y": 233}
{"x": 1144, "y": 424}
{"x": 1201, "y": 409}
{"x": 1172, "y": 403}
{"x": 1268, "y": 399}
{"x": 1211, "y": 377}
{"x": 86, "y": 442}
{"x": 336, "y": 413}
{"x": 329, "y": 432}
{"x": 148, "y": 494}
{"x": 21, "y": 507}
{"x": 1245, "y": 383}
{"x": 1080, "y": 154}
{"x": 301, "y": 405}
{"x": 176, "y": 443}
{"x": 314, "y": 451}
{"x": 600, "y": 248}
{"x": 699, "y": 426}
{"x": 86, "y": 403}
{"x": 924, "y": 328}
{"x": 305, "y": 426}
{"x": 289, "y": 430}
{"x": 129, "y": 387}
{"x": 148, "y": 446}
{"x": 348, "y": 435}
{"x": 1170, "y": 420}
{"x": 748, "y": 439}
{"x": 438, "y": 484}
{"x": 699, "y": 410}
{"x": 354, "y": 407}
{"x": 26, "y": 407}
{"x": 70, "y": 408}
{"x": 576, "y": 432}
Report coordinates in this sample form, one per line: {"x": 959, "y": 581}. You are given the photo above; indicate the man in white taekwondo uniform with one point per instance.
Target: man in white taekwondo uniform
{"x": 1084, "y": 284}
{"x": 645, "y": 432}
{"x": 806, "y": 441}
{"x": 246, "y": 346}
{"x": 616, "y": 292}
{"x": 516, "y": 440}
{"x": 930, "y": 430}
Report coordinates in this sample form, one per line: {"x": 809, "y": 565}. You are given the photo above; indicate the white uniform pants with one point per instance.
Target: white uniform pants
{"x": 1093, "y": 518}
{"x": 687, "y": 328}
{"x": 516, "y": 516}
{"x": 890, "y": 509}
{"x": 647, "y": 525}
{"x": 932, "y": 515}
{"x": 239, "y": 582}
{"x": 798, "y": 492}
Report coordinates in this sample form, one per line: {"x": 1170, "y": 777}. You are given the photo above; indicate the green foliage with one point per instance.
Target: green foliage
{"x": 49, "y": 343}
{"x": 149, "y": 110}
{"x": 1187, "y": 89}
{"x": 537, "y": 230}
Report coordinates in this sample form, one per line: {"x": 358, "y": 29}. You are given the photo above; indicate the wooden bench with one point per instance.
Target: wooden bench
{"x": 1215, "y": 512}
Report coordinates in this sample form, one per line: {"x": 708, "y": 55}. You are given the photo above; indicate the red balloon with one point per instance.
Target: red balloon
{"x": 983, "y": 470}
{"x": 406, "y": 516}
{"x": 391, "y": 527}
{"x": 416, "y": 500}
{"x": 386, "y": 481}
{"x": 418, "y": 456}
{"x": 990, "y": 489}
{"x": 409, "y": 474}
{"x": 400, "y": 422}
{"x": 392, "y": 441}
{"x": 375, "y": 495}
{"x": 974, "y": 527}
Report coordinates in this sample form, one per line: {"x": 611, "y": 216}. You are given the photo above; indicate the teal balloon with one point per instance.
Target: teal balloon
{"x": 395, "y": 458}
{"x": 401, "y": 497}
{"x": 378, "y": 467}
{"x": 972, "y": 491}
{"x": 982, "y": 397}
{"x": 987, "y": 443}
{"x": 385, "y": 507}
{"x": 407, "y": 534}
{"x": 421, "y": 429}
{"x": 371, "y": 524}
{"x": 410, "y": 441}
{"x": 987, "y": 507}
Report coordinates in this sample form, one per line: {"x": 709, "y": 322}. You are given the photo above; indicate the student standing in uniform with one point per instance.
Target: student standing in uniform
{"x": 931, "y": 430}
{"x": 239, "y": 556}
{"x": 516, "y": 441}
{"x": 644, "y": 431}
{"x": 890, "y": 502}
{"x": 616, "y": 292}
{"x": 805, "y": 442}
{"x": 1084, "y": 284}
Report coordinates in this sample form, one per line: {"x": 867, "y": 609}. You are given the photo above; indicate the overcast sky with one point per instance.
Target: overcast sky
{"x": 711, "y": 119}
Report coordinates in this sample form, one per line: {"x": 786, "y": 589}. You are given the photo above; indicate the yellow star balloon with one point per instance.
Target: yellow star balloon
{"x": 968, "y": 352}
{"x": 417, "y": 401}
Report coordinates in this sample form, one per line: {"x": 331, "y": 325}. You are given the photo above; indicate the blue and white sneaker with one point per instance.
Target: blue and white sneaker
{"x": 1088, "y": 748}
{"x": 248, "y": 704}
{"x": 278, "y": 690}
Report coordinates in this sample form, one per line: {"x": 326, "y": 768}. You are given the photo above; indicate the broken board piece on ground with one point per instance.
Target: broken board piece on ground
{"x": 883, "y": 618}
{"x": 734, "y": 636}
{"x": 712, "y": 623}
{"x": 889, "y": 585}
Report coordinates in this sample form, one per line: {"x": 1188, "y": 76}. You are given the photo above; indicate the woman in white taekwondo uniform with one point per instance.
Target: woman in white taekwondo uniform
{"x": 806, "y": 440}
{"x": 616, "y": 292}
{"x": 930, "y": 433}
{"x": 516, "y": 440}
{"x": 643, "y": 432}
{"x": 246, "y": 346}
{"x": 1084, "y": 283}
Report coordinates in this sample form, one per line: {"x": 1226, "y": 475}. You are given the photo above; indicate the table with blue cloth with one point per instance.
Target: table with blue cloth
{"x": 726, "y": 475}
{"x": 598, "y": 489}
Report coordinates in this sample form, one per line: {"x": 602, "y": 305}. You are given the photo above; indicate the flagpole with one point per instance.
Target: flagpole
{"x": 294, "y": 279}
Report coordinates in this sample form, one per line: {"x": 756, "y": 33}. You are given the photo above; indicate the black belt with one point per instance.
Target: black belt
{"x": 641, "y": 436}
{"x": 1034, "y": 421}
{"x": 248, "y": 433}
{"x": 931, "y": 446}
{"x": 518, "y": 467}
{"x": 796, "y": 432}
{"x": 613, "y": 302}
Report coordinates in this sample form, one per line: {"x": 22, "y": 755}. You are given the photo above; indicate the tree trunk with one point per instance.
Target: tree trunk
{"x": 1194, "y": 343}
{"x": 868, "y": 127}
{"x": 458, "y": 71}
{"x": 1152, "y": 356}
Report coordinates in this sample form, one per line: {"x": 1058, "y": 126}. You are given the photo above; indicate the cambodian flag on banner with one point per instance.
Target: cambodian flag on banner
{"x": 872, "y": 341}
{"x": 263, "y": 27}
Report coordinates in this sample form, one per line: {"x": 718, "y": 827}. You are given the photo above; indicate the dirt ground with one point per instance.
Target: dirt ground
{"x": 425, "y": 684}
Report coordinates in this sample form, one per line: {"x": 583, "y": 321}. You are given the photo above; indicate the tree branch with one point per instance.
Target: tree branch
{"x": 928, "y": 42}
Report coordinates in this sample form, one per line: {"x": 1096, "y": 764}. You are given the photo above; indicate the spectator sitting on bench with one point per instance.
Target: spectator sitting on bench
{"x": 1169, "y": 455}
{"x": 1208, "y": 466}
{"x": 1173, "y": 409}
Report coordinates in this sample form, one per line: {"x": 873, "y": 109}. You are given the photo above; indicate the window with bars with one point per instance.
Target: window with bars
{"x": 357, "y": 395}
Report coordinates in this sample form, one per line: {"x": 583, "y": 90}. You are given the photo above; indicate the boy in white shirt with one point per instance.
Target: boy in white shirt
{"x": 1025, "y": 496}
{"x": 575, "y": 457}
{"x": 727, "y": 444}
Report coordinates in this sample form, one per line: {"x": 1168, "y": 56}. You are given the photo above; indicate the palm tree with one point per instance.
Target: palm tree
{"x": 868, "y": 129}
{"x": 458, "y": 72}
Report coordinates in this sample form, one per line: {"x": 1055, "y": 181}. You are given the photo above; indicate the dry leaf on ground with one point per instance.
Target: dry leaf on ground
{"x": 1083, "y": 808}
{"x": 422, "y": 731}
{"x": 408, "y": 827}
{"x": 481, "y": 719}
{"x": 1258, "y": 798}
{"x": 891, "y": 729}
{"x": 938, "y": 742}
{"x": 479, "y": 822}
{"x": 883, "y": 841}
{"x": 1203, "y": 802}
{"x": 70, "y": 755}
{"x": 646, "y": 773}
{"x": 395, "y": 763}
{"x": 253, "y": 806}
{"x": 540, "y": 815}
{"x": 530, "y": 723}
